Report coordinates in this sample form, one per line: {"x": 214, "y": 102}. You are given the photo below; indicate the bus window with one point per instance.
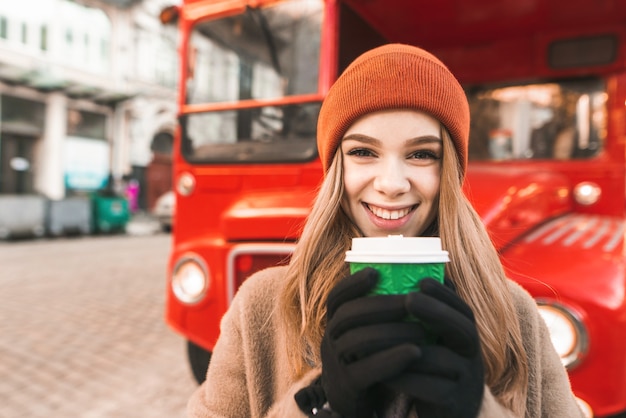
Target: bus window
{"x": 557, "y": 121}
{"x": 264, "y": 53}
{"x": 259, "y": 135}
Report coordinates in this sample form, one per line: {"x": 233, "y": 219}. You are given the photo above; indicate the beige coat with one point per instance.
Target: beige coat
{"x": 248, "y": 374}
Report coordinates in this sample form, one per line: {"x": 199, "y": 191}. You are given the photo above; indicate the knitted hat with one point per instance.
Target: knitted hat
{"x": 393, "y": 76}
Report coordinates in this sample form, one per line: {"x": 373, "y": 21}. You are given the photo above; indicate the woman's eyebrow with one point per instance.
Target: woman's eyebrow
{"x": 424, "y": 140}
{"x": 411, "y": 141}
{"x": 363, "y": 138}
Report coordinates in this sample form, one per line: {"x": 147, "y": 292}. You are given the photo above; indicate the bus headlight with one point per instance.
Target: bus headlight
{"x": 186, "y": 184}
{"x": 190, "y": 279}
{"x": 567, "y": 332}
{"x": 587, "y": 193}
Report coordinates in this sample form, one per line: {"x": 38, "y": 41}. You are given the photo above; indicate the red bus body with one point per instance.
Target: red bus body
{"x": 557, "y": 222}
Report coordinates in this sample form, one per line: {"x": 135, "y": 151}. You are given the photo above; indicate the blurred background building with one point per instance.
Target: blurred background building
{"x": 87, "y": 97}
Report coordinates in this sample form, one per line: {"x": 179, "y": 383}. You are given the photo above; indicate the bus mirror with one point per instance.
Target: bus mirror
{"x": 169, "y": 14}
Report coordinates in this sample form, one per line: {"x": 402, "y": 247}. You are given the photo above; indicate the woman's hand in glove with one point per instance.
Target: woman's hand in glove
{"x": 312, "y": 400}
{"x": 447, "y": 380}
{"x": 367, "y": 340}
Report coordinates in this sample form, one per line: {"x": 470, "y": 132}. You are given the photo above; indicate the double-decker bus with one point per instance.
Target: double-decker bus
{"x": 546, "y": 82}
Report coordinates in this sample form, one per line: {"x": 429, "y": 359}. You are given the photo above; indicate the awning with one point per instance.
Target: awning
{"x": 46, "y": 81}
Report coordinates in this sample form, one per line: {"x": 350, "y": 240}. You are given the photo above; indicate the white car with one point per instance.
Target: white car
{"x": 164, "y": 209}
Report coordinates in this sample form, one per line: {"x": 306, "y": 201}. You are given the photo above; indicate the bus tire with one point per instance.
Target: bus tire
{"x": 198, "y": 360}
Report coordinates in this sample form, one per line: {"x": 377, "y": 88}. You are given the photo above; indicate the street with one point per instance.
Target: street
{"x": 82, "y": 331}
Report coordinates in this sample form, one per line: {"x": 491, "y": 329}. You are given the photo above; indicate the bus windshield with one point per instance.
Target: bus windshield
{"x": 554, "y": 121}
{"x": 263, "y": 54}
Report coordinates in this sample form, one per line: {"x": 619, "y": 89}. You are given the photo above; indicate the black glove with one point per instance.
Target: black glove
{"x": 311, "y": 401}
{"x": 447, "y": 380}
{"x": 367, "y": 340}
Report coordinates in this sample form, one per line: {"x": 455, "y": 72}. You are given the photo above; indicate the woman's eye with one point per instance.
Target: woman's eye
{"x": 425, "y": 155}
{"x": 360, "y": 152}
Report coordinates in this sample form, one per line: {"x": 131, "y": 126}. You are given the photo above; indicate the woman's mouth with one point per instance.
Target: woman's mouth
{"x": 390, "y": 214}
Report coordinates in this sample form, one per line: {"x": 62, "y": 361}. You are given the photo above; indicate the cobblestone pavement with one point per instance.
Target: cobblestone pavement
{"x": 82, "y": 331}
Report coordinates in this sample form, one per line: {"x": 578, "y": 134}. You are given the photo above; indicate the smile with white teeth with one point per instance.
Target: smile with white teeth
{"x": 389, "y": 214}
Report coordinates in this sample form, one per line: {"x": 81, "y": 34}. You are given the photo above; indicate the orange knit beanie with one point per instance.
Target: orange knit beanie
{"x": 393, "y": 76}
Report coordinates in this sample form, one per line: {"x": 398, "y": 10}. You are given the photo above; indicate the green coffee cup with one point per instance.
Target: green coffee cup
{"x": 401, "y": 262}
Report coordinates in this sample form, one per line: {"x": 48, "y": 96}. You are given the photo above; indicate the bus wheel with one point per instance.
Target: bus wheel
{"x": 198, "y": 360}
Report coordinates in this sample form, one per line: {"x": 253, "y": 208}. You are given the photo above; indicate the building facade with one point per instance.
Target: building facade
{"x": 87, "y": 97}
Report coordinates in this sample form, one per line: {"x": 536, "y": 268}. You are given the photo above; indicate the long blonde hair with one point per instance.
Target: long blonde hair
{"x": 475, "y": 268}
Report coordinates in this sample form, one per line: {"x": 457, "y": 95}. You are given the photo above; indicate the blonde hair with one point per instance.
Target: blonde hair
{"x": 475, "y": 268}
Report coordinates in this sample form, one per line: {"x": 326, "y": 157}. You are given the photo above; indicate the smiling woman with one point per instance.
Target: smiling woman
{"x": 308, "y": 339}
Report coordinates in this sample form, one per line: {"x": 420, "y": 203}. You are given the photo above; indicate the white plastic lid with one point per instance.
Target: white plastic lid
{"x": 397, "y": 249}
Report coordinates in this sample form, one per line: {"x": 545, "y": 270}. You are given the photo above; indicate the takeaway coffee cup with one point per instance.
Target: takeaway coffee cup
{"x": 401, "y": 262}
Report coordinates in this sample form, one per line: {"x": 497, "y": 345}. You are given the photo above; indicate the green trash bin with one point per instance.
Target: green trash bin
{"x": 110, "y": 213}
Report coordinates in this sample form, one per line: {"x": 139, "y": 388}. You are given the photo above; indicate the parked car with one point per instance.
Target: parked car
{"x": 164, "y": 210}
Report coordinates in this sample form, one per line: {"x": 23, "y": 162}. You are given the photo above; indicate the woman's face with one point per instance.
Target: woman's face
{"x": 391, "y": 168}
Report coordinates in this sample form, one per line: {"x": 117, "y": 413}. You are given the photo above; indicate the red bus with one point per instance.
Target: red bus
{"x": 546, "y": 82}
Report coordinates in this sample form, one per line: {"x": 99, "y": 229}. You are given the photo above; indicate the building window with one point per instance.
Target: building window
{"x": 69, "y": 37}
{"x": 24, "y": 33}
{"x": 87, "y": 152}
{"x": 86, "y": 51}
{"x": 86, "y": 31}
{"x": 22, "y": 116}
{"x": 165, "y": 63}
{"x": 4, "y": 27}
{"x": 104, "y": 50}
{"x": 86, "y": 124}
{"x": 43, "y": 40}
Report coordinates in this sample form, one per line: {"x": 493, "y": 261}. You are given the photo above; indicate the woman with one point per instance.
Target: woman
{"x": 305, "y": 340}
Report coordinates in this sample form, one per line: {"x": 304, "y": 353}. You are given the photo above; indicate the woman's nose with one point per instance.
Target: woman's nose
{"x": 391, "y": 179}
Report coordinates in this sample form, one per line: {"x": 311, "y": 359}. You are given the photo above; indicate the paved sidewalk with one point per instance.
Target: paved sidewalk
{"x": 82, "y": 331}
